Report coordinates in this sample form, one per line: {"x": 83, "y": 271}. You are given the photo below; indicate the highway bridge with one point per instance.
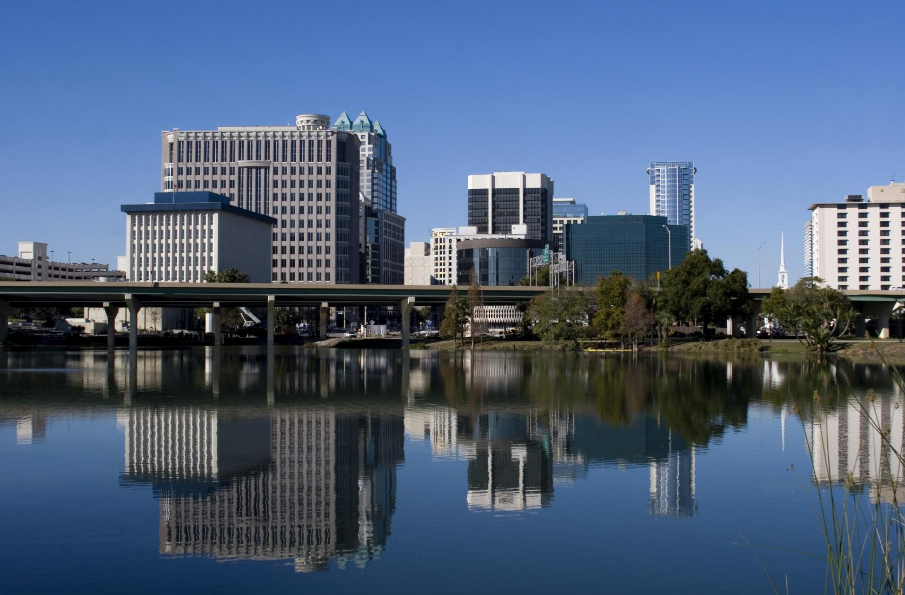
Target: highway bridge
{"x": 112, "y": 296}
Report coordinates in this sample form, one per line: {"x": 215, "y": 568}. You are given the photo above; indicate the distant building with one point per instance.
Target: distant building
{"x": 32, "y": 264}
{"x": 565, "y": 211}
{"x": 443, "y": 255}
{"x": 382, "y": 232}
{"x": 808, "y": 249}
{"x": 635, "y": 245}
{"x": 418, "y": 264}
{"x": 857, "y": 243}
{"x": 672, "y": 193}
{"x": 305, "y": 175}
{"x": 496, "y": 261}
{"x": 183, "y": 235}
{"x": 500, "y": 200}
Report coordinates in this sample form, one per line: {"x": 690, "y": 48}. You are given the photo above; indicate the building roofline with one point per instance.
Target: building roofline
{"x": 196, "y": 206}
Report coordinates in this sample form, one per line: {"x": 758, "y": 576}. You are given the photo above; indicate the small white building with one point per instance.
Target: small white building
{"x": 32, "y": 264}
{"x": 418, "y": 266}
{"x": 183, "y": 235}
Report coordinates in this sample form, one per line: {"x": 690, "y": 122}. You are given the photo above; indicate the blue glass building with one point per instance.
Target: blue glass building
{"x": 635, "y": 245}
{"x": 672, "y": 193}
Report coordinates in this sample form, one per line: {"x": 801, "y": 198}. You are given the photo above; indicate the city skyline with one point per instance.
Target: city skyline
{"x": 792, "y": 107}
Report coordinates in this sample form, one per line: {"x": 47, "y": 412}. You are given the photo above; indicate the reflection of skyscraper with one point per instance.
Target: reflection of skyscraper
{"x": 847, "y": 446}
{"x": 672, "y": 483}
{"x": 31, "y": 428}
{"x": 326, "y": 488}
{"x": 508, "y": 469}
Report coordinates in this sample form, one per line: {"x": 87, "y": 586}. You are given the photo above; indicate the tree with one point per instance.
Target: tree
{"x": 637, "y": 318}
{"x": 226, "y": 276}
{"x": 284, "y": 321}
{"x": 814, "y": 312}
{"x": 611, "y": 296}
{"x": 560, "y": 315}
{"x": 701, "y": 289}
{"x": 454, "y": 316}
{"x": 476, "y": 317}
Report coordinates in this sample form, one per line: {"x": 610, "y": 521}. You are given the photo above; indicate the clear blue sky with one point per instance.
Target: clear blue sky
{"x": 779, "y": 104}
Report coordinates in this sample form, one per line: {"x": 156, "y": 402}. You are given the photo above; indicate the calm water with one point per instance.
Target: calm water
{"x": 390, "y": 472}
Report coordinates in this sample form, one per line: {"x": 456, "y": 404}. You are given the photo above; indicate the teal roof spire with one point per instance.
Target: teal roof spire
{"x": 378, "y": 129}
{"x": 343, "y": 122}
{"x": 362, "y": 123}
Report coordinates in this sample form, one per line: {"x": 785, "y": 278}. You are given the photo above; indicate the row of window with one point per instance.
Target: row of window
{"x": 286, "y": 151}
{"x": 312, "y": 237}
{"x": 311, "y": 277}
{"x": 318, "y": 263}
{"x": 866, "y": 223}
{"x": 326, "y": 249}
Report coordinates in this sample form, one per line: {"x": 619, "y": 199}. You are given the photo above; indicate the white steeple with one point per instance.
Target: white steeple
{"x": 783, "y": 281}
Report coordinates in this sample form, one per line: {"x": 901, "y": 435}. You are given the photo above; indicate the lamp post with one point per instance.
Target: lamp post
{"x": 669, "y": 235}
{"x": 758, "y": 263}
{"x": 70, "y": 256}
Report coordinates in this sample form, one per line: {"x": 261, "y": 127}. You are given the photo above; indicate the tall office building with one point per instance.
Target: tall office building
{"x": 382, "y": 231}
{"x": 857, "y": 243}
{"x": 808, "y": 249}
{"x": 566, "y": 211}
{"x": 305, "y": 176}
{"x": 500, "y": 200}
{"x": 672, "y": 193}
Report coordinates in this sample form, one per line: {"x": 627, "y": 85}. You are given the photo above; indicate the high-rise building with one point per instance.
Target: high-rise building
{"x": 500, "y": 200}
{"x": 635, "y": 245}
{"x": 672, "y": 193}
{"x": 857, "y": 243}
{"x": 305, "y": 176}
{"x": 783, "y": 278}
{"x": 443, "y": 255}
{"x": 565, "y": 211}
{"x": 808, "y": 249}
{"x": 183, "y": 235}
{"x": 382, "y": 229}
{"x": 418, "y": 264}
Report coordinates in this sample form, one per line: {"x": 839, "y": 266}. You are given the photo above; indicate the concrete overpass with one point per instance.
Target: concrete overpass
{"x": 135, "y": 296}
{"x": 876, "y": 305}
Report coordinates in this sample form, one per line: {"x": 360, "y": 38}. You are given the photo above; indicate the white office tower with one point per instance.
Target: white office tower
{"x": 783, "y": 281}
{"x": 672, "y": 194}
{"x": 858, "y": 243}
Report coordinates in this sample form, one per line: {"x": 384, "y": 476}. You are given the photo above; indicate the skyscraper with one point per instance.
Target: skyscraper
{"x": 808, "y": 249}
{"x": 304, "y": 176}
{"x": 783, "y": 280}
{"x": 672, "y": 193}
{"x": 382, "y": 230}
{"x": 500, "y": 200}
{"x": 565, "y": 211}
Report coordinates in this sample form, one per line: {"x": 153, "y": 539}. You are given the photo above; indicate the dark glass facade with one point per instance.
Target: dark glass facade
{"x": 497, "y": 262}
{"x": 536, "y": 209}
{"x": 635, "y": 245}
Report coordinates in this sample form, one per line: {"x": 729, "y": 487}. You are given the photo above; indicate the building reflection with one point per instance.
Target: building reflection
{"x": 310, "y": 485}
{"x": 516, "y": 459}
{"x": 860, "y": 445}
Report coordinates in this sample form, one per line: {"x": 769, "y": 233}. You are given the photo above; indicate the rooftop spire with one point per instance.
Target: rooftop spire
{"x": 783, "y": 280}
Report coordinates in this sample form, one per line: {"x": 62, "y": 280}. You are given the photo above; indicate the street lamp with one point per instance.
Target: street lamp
{"x": 70, "y": 256}
{"x": 758, "y": 263}
{"x": 669, "y": 235}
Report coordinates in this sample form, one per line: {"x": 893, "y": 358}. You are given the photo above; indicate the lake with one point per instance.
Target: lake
{"x": 322, "y": 471}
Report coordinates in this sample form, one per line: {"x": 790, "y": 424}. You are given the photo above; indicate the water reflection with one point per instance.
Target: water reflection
{"x": 295, "y": 456}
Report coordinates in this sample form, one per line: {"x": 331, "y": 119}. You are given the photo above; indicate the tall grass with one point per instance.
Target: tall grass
{"x": 865, "y": 537}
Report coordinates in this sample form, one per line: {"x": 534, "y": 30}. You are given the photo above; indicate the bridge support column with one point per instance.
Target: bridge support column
{"x": 216, "y": 312}
{"x": 732, "y": 329}
{"x": 751, "y": 326}
{"x": 4, "y": 320}
{"x": 271, "y": 307}
{"x": 323, "y": 313}
{"x": 405, "y": 309}
{"x": 112, "y": 311}
{"x": 879, "y": 311}
{"x": 134, "y": 306}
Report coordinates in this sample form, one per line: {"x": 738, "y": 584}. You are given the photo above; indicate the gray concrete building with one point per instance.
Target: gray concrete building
{"x": 305, "y": 176}
{"x": 32, "y": 264}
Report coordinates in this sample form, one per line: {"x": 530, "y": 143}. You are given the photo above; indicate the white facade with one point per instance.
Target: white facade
{"x": 859, "y": 244}
{"x": 418, "y": 264}
{"x": 443, "y": 248}
{"x": 32, "y": 264}
{"x": 183, "y": 245}
{"x": 782, "y": 280}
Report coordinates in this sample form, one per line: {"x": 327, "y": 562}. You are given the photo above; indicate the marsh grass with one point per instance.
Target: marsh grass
{"x": 865, "y": 537}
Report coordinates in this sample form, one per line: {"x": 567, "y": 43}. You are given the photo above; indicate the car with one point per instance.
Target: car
{"x": 348, "y": 335}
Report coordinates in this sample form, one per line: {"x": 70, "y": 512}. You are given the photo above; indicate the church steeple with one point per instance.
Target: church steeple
{"x": 783, "y": 281}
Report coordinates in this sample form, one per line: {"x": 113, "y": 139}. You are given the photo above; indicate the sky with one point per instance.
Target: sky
{"x": 779, "y": 104}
